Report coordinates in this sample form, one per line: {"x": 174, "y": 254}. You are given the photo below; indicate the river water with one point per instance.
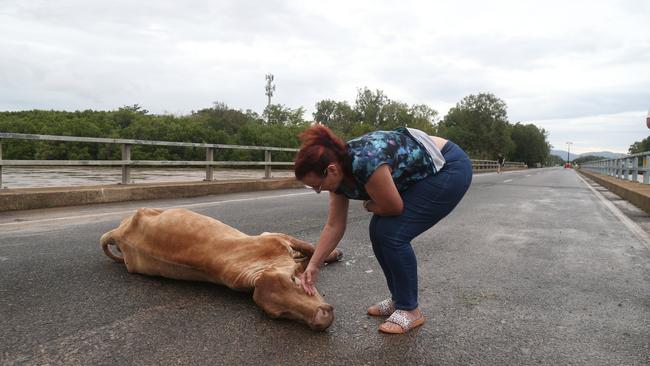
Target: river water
{"x": 37, "y": 177}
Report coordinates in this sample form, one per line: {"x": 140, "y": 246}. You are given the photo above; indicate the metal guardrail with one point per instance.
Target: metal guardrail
{"x": 126, "y": 162}
{"x": 489, "y": 165}
{"x": 626, "y": 167}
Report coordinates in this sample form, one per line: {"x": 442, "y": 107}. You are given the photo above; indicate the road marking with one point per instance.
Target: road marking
{"x": 528, "y": 175}
{"x": 214, "y": 203}
{"x": 507, "y": 180}
{"x": 631, "y": 225}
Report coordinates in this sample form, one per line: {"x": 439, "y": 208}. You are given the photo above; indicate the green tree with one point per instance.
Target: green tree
{"x": 128, "y": 114}
{"x": 369, "y": 107}
{"x": 479, "y": 123}
{"x": 280, "y": 115}
{"x": 425, "y": 118}
{"x": 640, "y": 146}
{"x": 530, "y": 142}
{"x": 373, "y": 110}
{"x": 338, "y": 116}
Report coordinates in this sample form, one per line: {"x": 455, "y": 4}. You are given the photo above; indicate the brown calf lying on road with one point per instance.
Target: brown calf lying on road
{"x": 184, "y": 245}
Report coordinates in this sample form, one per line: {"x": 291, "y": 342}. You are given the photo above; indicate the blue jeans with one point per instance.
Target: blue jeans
{"x": 425, "y": 203}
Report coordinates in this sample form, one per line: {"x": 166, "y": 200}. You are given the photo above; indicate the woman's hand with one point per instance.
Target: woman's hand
{"x": 308, "y": 279}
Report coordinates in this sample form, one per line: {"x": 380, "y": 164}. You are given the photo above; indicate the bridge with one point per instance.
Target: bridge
{"x": 538, "y": 266}
{"x": 24, "y": 199}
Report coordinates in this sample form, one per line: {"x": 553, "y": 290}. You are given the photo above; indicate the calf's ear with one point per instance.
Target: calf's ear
{"x": 303, "y": 247}
{"x": 265, "y": 288}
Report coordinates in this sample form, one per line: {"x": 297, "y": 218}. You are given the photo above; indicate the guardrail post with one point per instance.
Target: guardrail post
{"x": 267, "y": 167}
{"x": 626, "y": 169}
{"x": 635, "y": 170}
{"x": 1, "y": 187}
{"x": 209, "y": 157}
{"x": 646, "y": 172}
{"x": 126, "y": 169}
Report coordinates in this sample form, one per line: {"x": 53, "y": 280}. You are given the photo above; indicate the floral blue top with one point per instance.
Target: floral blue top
{"x": 408, "y": 160}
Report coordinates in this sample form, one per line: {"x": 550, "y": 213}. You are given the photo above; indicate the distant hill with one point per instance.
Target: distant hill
{"x": 604, "y": 154}
{"x": 562, "y": 154}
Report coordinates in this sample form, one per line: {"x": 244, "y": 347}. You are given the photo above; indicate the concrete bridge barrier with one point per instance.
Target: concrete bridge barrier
{"x": 33, "y": 198}
{"x": 636, "y": 193}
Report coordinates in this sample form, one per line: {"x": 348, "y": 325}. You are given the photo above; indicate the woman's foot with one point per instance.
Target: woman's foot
{"x": 382, "y": 308}
{"x": 401, "y": 321}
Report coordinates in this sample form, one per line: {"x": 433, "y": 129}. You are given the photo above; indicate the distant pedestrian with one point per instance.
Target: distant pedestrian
{"x": 501, "y": 161}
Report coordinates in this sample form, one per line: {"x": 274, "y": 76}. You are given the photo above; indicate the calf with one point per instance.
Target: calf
{"x": 184, "y": 245}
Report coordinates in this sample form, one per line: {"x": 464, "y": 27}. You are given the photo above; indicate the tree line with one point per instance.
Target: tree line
{"x": 640, "y": 146}
{"x": 478, "y": 123}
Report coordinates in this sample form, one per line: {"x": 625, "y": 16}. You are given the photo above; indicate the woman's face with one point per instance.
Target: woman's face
{"x": 329, "y": 180}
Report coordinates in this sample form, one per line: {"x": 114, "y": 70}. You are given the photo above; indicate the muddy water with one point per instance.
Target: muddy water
{"x": 37, "y": 177}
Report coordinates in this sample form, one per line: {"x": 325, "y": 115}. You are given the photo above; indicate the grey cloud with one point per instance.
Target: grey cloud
{"x": 175, "y": 57}
{"x": 571, "y": 105}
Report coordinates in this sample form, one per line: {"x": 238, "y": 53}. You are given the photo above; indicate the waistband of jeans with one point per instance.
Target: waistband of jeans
{"x": 453, "y": 152}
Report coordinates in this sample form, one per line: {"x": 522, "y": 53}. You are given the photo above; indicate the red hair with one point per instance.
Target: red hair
{"x": 319, "y": 148}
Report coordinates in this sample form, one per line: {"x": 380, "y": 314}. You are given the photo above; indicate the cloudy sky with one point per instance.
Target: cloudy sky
{"x": 579, "y": 69}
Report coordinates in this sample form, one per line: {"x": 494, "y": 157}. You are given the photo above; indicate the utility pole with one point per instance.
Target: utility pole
{"x": 568, "y": 153}
{"x": 270, "y": 87}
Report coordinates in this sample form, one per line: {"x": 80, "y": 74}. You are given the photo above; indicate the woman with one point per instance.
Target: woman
{"x": 407, "y": 179}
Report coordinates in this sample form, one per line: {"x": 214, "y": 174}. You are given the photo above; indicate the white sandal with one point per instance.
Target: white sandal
{"x": 405, "y": 321}
{"x": 382, "y": 308}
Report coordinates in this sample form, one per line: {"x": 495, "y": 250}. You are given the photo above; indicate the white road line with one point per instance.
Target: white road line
{"x": 528, "y": 175}
{"x": 214, "y": 203}
{"x": 507, "y": 180}
{"x": 643, "y": 237}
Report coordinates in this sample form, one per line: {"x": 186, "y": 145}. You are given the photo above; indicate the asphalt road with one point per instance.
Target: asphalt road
{"x": 531, "y": 268}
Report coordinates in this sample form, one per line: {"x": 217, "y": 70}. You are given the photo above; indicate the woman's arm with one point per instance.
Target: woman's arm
{"x": 334, "y": 229}
{"x": 385, "y": 199}
{"x": 329, "y": 238}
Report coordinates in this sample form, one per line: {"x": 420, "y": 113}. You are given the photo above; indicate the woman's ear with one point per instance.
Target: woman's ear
{"x": 333, "y": 169}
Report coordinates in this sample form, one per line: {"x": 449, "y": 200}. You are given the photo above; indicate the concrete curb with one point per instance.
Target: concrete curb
{"x": 33, "y": 198}
{"x": 636, "y": 193}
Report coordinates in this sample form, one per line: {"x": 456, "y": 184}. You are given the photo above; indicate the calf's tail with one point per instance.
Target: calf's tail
{"x": 106, "y": 241}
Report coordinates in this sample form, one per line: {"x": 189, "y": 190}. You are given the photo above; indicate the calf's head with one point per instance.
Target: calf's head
{"x": 280, "y": 294}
